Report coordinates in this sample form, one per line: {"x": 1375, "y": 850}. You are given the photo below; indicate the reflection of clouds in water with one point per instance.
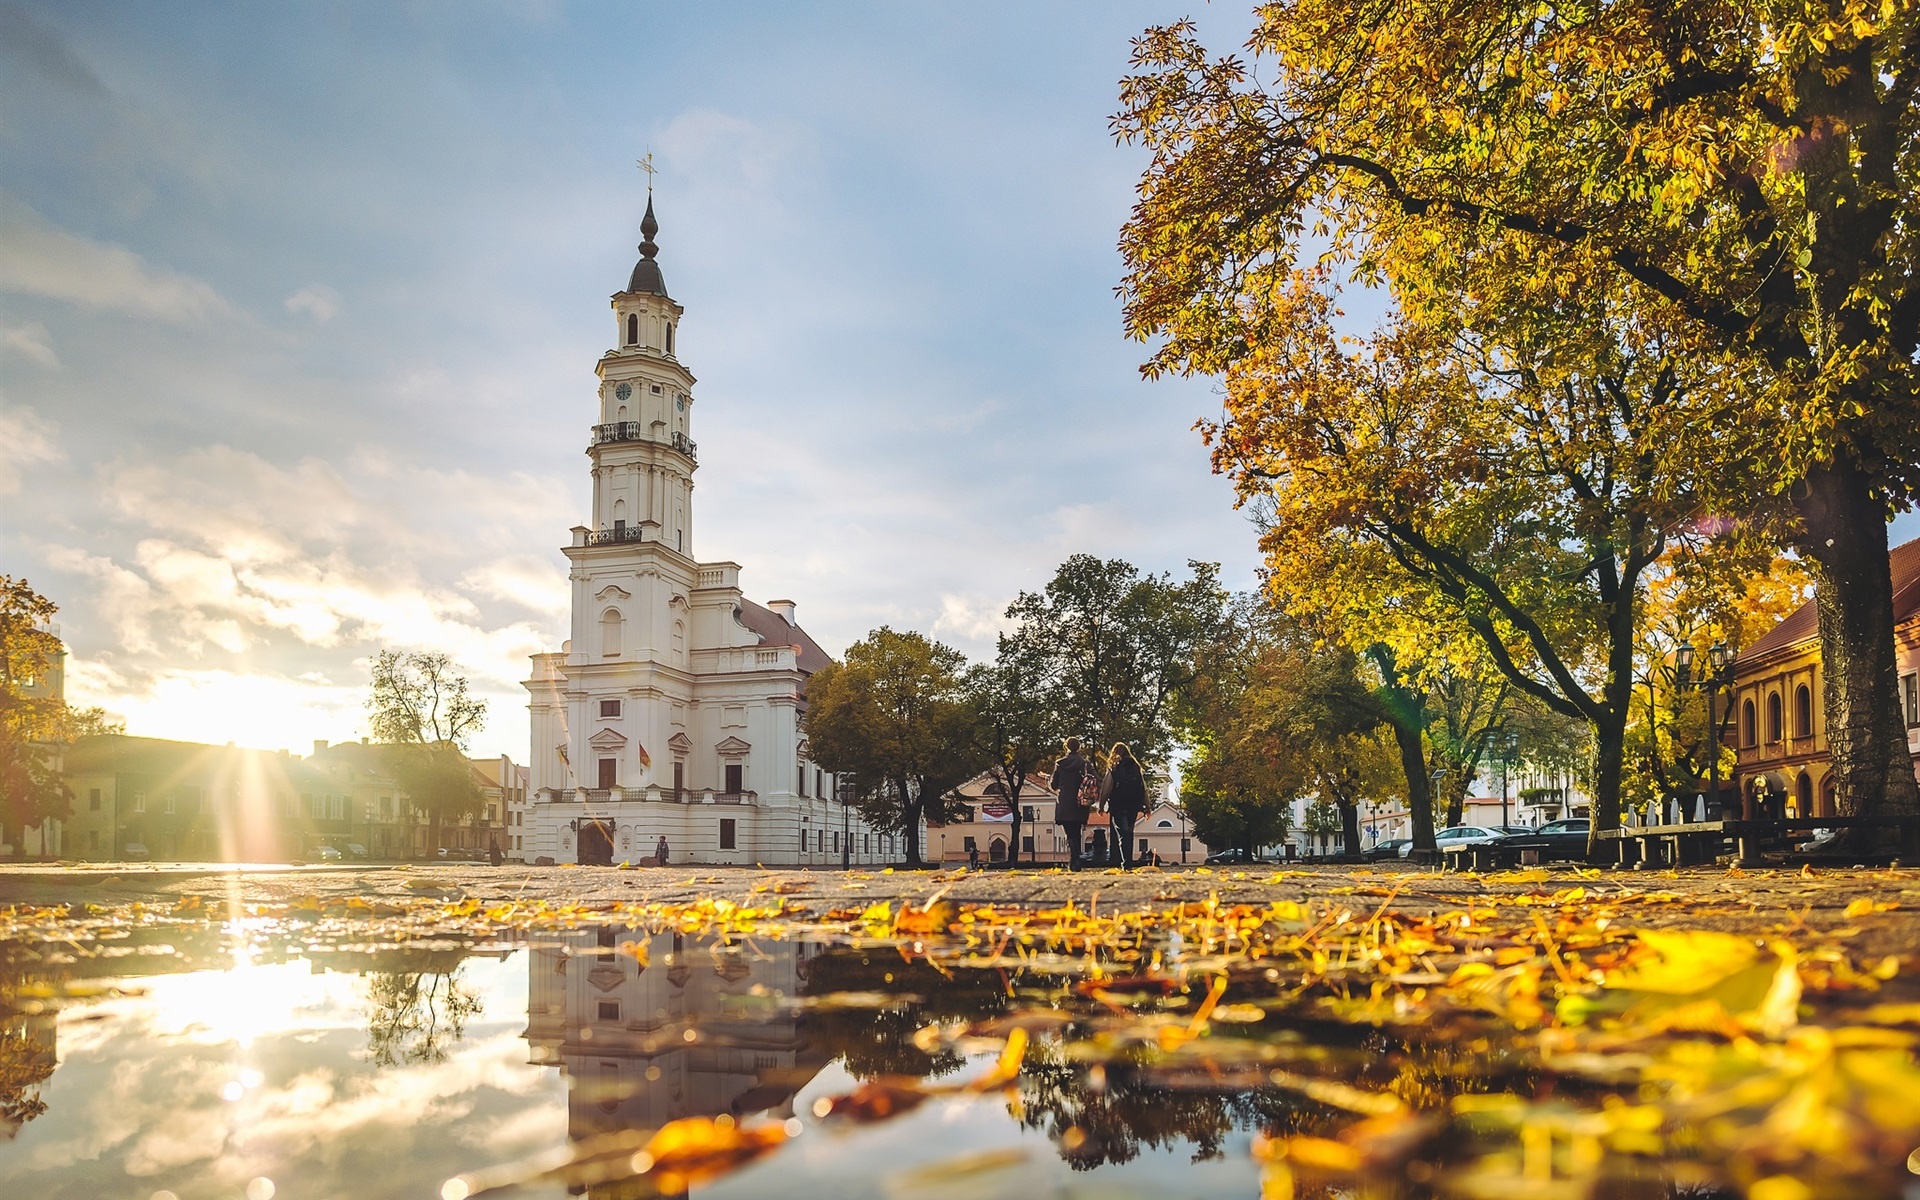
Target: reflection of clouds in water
{"x": 131, "y": 1099}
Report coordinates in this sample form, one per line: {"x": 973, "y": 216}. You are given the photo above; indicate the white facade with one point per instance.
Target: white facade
{"x": 674, "y": 709}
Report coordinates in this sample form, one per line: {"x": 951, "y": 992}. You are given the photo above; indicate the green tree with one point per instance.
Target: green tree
{"x": 1014, "y": 722}
{"x": 32, "y": 718}
{"x": 1119, "y": 647}
{"x": 1740, "y": 175}
{"x": 420, "y": 706}
{"x": 1274, "y": 715}
{"x": 895, "y": 718}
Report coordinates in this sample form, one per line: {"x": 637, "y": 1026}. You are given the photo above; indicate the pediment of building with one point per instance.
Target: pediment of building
{"x": 613, "y": 590}
{"x": 605, "y": 978}
{"x": 733, "y": 747}
{"x": 607, "y": 739}
{"x": 804, "y": 749}
{"x": 680, "y": 742}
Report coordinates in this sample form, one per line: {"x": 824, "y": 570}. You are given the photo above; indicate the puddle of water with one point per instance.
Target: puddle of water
{"x": 266, "y": 1057}
{"x": 300, "y": 1072}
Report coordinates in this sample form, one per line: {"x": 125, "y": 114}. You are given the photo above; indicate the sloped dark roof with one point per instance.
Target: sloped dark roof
{"x": 646, "y": 277}
{"x": 1803, "y": 624}
{"x": 774, "y": 631}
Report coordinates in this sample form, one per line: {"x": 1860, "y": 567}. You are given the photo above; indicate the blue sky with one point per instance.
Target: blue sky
{"x": 299, "y": 307}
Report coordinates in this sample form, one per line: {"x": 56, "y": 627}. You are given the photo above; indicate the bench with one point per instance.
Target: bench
{"x": 1696, "y": 842}
{"x": 1685, "y": 844}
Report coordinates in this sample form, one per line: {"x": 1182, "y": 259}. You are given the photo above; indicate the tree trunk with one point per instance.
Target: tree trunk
{"x": 1609, "y": 756}
{"x": 1406, "y": 713}
{"x": 1459, "y": 781}
{"x": 1845, "y": 538}
{"x": 1350, "y": 827}
{"x": 910, "y": 822}
{"x": 1413, "y": 764}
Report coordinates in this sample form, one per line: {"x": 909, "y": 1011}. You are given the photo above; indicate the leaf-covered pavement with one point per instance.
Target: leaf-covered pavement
{"x": 1529, "y": 1033}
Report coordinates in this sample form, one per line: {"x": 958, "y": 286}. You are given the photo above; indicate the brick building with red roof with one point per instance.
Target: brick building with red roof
{"x": 1779, "y": 720}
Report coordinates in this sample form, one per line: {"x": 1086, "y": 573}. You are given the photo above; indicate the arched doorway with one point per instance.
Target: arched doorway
{"x": 997, "y": 850}
{"x": 1803, "y": 795}
{"x": 596, "y": 844}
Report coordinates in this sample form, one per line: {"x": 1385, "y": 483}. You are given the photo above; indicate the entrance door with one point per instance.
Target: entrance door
{"x": 596, "y": 844}
{"x": 734, "y": 784}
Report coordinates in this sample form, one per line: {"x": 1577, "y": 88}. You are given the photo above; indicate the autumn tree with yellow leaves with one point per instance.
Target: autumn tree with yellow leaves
{"x": 1740, "y": 176}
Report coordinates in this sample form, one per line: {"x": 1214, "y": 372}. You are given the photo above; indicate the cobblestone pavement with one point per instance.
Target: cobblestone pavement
{"x": 1760, "y": 901}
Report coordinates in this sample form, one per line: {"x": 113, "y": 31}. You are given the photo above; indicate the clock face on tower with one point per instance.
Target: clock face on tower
{"x": 680, "y": 402}
{"x": 623, "y": 393}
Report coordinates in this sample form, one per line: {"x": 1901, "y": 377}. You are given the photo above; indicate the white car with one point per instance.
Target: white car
{"x": 327, "y": 854}
{"x": 1460, "y": 835}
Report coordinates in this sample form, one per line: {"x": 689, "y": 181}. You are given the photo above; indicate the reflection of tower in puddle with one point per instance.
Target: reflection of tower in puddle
{"x": 691, "y": 1027}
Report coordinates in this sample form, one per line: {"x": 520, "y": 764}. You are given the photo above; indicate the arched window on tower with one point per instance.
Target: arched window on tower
{"x": 633, "y": 329}
{"x": 1748, "y": 735}
{"x": 610, "y": 631}
{"x": 679, "y": 644}
{"x": 669, "y": 337}
{"x": 1773, "y": 717}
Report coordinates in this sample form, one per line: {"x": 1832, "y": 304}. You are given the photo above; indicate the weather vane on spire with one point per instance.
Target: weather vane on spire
{"x": 646, "y": 164}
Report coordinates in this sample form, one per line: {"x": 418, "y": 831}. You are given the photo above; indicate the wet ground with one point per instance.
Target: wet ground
{"x": 454, "y": 1031}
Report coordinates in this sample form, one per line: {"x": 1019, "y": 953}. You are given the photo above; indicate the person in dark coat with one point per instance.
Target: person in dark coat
{"x": 1126, "y": 792}
{"x": 493, "y": 851}
{"x": 1065, "y": 784}
{"x": 1097, "y": 850}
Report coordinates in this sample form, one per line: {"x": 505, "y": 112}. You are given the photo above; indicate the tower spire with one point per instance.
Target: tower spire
{"x": 648, "y": 227}
{"x": 646, "y": 275}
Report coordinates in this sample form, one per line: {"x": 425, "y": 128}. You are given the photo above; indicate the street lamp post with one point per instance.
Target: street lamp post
{"x": 1720, "y": 658}
{"x": 1504, "y": 743}
{"x": 845, "y": 789}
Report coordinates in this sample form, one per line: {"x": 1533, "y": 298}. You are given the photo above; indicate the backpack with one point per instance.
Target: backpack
{"x": 1089, "y": 792}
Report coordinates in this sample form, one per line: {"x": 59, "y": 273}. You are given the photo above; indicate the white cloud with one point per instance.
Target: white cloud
{"x": 26, "y": 440}
{"x": 318, "y": 301}
{"x": 44, "y": 260}
{"x": 523, "y": 579}
{"x": 30, "y": 341}
{"x": 250, "y": 709}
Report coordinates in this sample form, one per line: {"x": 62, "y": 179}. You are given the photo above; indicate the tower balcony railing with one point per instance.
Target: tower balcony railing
{"x": 616, "y": 535}
{"x": 634, "y": 431}
{"x": 619, "y": 431}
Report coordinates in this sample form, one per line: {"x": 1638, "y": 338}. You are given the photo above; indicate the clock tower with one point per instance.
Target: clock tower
{"x": 674, "y": 708}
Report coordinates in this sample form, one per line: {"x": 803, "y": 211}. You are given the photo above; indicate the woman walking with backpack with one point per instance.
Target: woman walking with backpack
{"x": 1126, "y": 793}
{"x": 1068, "y": 775}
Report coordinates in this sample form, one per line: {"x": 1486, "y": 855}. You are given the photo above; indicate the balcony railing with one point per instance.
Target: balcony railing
{"x": 634, "y": 431}
{"x": 619, "y": 431}
{"x": 735, "y": 797}
{"x": 616, "y": 535}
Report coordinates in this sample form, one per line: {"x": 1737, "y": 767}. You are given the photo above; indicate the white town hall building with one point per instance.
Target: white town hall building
{"x": 674, "y": 710}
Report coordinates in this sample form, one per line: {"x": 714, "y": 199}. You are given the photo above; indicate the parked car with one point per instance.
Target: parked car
{"x": 1461, "y": 835}
{"x": 327, "y": 854}
{"x": 135, "y": 852}
{"x": 1236, "y": 858}
{"x": 1556, "y": 839}
{"x": 356, "y": 851}
{"x": 1394, "y": 848}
